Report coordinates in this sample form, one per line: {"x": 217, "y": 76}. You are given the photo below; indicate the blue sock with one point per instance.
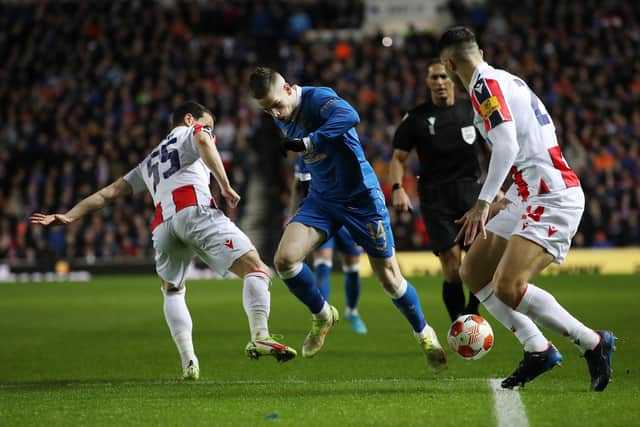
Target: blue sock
{"x": 304, "y": 288}
{"x": 409, "y": 305}
{"x": 352, "y": 288}
{"x": 323, "y": 271}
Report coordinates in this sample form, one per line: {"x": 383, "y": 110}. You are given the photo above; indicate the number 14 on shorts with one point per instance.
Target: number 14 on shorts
{"x": 378, "y": 235}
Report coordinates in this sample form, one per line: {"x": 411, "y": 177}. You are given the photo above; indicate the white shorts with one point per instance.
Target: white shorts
{"x": 550, "y": 220}
{"x": 197, "y": 230}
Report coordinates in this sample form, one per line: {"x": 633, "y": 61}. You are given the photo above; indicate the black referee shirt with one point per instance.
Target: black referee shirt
{"x": 445, "y": 139}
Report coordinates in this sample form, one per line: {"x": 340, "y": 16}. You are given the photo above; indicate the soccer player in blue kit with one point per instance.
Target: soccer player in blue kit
{"x": 323, "y": 256}
{"x": 317, "y": 124}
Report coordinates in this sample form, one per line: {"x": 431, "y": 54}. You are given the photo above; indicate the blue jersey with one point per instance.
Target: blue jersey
{"x": 337, "y": 165}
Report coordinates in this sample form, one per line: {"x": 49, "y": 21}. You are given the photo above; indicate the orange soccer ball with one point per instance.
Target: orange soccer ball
{"x": 470, "y": 336}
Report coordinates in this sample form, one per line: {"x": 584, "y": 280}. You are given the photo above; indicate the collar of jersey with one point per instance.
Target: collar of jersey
{"x": 483, "y": 66}
{"x": 298, "y": 90}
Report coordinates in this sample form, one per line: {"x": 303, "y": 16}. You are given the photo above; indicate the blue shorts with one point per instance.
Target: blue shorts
{"x": 343, "y": 242}
{"x": 365, "y": 217}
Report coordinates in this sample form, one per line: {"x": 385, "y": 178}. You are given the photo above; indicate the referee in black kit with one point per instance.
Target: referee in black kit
{"x": 442, "y": 132}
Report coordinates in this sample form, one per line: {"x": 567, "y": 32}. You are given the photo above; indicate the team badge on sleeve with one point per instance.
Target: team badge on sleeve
{"x": 197, "y": 128}
{"x": 468, "y": 134}
{"x": 489, "y": 102}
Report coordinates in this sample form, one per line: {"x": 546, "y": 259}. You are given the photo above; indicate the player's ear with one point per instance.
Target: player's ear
{"x": 451, "y": 64}
{"x": 188, "y": 119}
{"x": 287, "y": 88}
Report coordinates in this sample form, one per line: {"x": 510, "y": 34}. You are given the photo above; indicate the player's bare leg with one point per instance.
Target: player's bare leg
{"x": 322, "y": 265}
{"x": 256, "y": 301}
{"x": 477, "y": 271}
{"x": 480, "y": 263}
{"x": 296, "y": 243}
{"x": 351, "y": 269}
{"x": 522, "y": 260}
{"x": 405, "y": 298}
{"x": 180, "y": 325}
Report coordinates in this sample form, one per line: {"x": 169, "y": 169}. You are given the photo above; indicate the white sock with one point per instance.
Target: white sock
{"x": 324, "y": 313}
{"x": 423, "y": 333}
{"x": 325, "y": 261}
{"x": 256, "y": 301}
{"x": 180, "y": 325}
{"x": 350, "y": 311}
{"x": 398, "y": 293}
{"x": 523, "y": 327}
{"x": 545, "y": 310}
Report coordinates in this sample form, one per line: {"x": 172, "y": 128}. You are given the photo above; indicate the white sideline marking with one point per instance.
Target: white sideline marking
{"x": 509, "y": 408}
{"x": 231, "y": 382}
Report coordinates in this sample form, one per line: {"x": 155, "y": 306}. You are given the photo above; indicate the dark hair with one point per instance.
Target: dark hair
{"x": 190, "y": 107}
{"x": 261, "y": 80}
{"x": 434, "y": 61}
{"x": 457, "y": 38}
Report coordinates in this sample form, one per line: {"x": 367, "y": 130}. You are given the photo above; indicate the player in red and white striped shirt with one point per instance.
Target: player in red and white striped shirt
{"x": 187, "y": 223}
{"x": 533, "y": 226}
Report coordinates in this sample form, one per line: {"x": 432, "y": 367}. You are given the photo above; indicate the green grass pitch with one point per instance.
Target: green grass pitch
{"x": 99, "y": 353}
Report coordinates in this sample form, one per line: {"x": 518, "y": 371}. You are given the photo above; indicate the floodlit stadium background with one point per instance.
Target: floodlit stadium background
{"x": 86, "y": 90}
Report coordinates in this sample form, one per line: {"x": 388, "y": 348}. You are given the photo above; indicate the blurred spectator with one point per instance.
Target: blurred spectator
{"x": 86, "y": 90}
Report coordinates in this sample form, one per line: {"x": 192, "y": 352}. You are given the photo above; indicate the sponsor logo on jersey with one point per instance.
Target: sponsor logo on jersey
{"x": 229, "y": 243}
{"x": 328, "y": 103}
{"x": 314, "y": 157}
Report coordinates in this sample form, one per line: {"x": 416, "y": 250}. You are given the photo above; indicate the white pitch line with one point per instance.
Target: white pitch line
{"x": 509, "y": 408}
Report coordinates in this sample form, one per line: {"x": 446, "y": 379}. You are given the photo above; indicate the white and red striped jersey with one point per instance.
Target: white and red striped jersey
{"x": 174, "y": 174}
{"x": 500, "y": 97}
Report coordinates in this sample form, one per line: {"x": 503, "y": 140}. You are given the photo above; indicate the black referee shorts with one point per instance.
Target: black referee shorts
{"x": 442, "y": 204}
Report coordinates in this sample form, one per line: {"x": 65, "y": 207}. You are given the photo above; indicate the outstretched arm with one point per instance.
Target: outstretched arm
{"x": 94, "y": 202}
{"x": 505, "y": 150}
{"x": 206, "y": 146}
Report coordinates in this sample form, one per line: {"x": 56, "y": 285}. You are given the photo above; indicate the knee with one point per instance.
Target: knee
{"x": 248, "y": 262}
{"x": 451, "y": 272}
{"x": 253, "y": 262}
{"x": 170, "y": 287}
{"x": 283, "y": 260}
{"x": 351, "y": 261}
{"x": 508, "y": 290}
{"x": 286, "y": 262}
{"x": 450, "y": 260}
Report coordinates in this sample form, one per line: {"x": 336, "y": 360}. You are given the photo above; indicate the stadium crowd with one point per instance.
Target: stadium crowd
{"x": 86, "y": 90}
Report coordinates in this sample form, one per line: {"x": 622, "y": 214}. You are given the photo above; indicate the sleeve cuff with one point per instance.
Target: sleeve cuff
{"x": 308, "y": 145}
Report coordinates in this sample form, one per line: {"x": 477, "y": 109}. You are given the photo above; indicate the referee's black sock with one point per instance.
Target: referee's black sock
{"x": 472, "y": 305}
{"x": 453, "y": 297}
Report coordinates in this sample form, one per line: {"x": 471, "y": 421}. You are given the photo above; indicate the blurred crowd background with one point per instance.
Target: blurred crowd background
{"x": 87, "y": 88}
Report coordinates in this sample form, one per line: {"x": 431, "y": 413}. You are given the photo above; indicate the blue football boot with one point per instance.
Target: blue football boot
{"x": 599, "y": 360}
{"x": 532, "y": 365}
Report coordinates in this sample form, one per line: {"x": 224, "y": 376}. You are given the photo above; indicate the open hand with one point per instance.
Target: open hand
{"x": 49, "y": 220}
{"x": 401, "y": 201}
{"x": 472, "y": 222}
